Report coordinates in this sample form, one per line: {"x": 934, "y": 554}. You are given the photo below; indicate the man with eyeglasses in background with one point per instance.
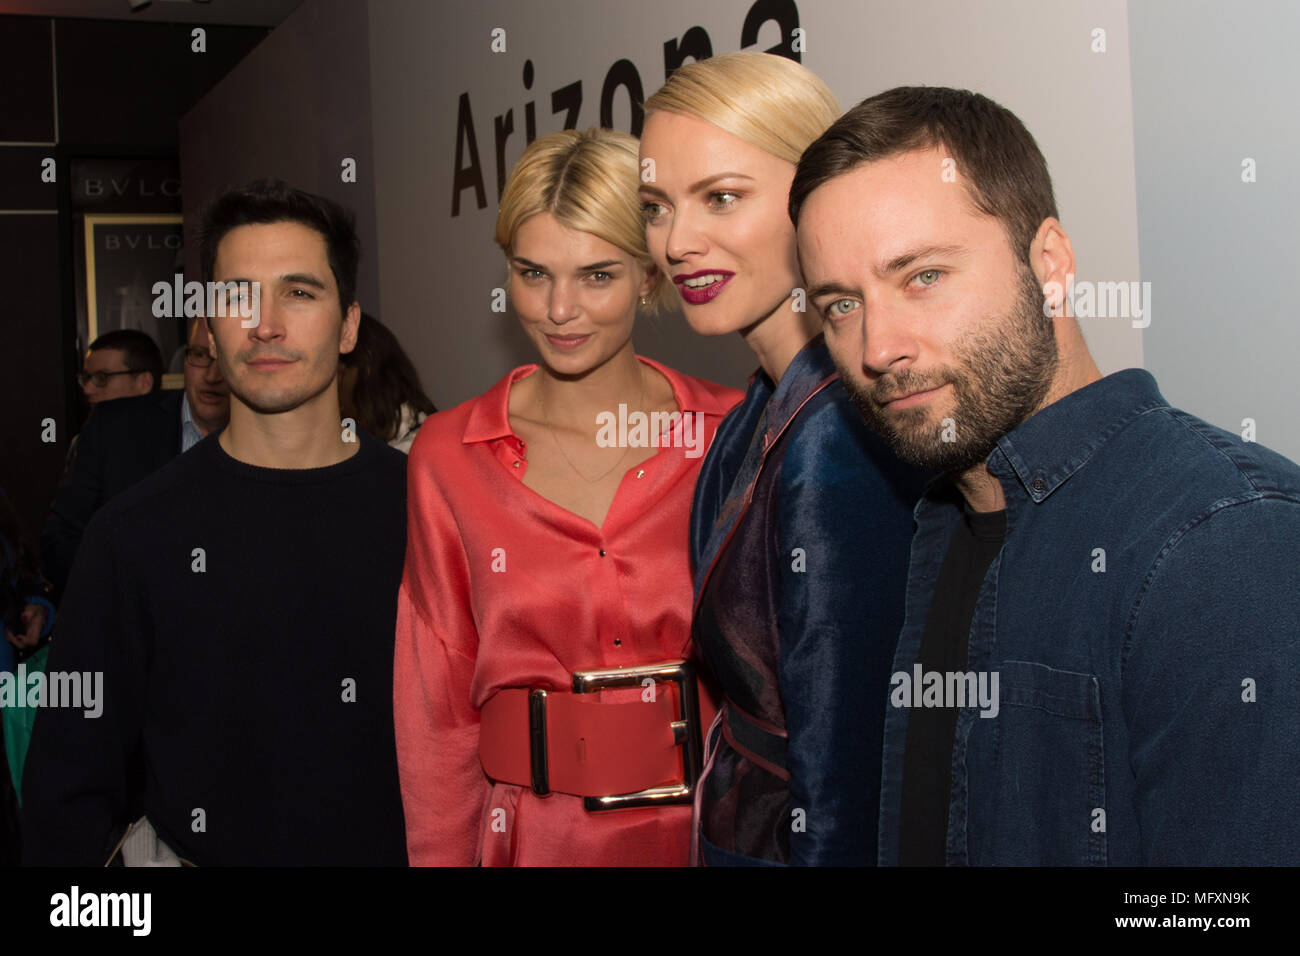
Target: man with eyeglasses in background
{"x": 120, "y": 364}
{"x": 129, "y": 438}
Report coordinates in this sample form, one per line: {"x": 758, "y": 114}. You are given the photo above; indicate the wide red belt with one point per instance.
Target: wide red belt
{"x": 616, "y": 754}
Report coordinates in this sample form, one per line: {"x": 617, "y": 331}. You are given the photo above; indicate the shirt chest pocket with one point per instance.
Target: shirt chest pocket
{"x": 1037, "y": 795}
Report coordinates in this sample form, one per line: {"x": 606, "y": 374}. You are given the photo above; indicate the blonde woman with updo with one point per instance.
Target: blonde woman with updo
{"x": 802, "y": 519}
{"x": 543, "y": 716}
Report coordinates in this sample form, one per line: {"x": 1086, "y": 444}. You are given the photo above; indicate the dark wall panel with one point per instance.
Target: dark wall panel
{"x": 31, "y": 387}
{"x": 21, "y": 182}
{"x": 129, "y": 83}
{"x": 26, "y": 81}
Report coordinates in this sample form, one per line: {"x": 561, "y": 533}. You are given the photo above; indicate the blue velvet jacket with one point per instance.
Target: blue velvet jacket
{"x": 800, "y": 534}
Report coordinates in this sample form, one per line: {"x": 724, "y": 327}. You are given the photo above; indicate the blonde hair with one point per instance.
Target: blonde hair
{"x": 588, "y": 182}
{"x": 768, "y": 101}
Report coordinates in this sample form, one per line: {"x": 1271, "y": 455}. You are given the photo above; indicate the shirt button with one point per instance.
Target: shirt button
{"x": 618, "y": 642}
{"x": 1040, "y": 485}
{"x": 640, "y": 472}
{"x": 516, "y": 464}
{"x": 602, "y": 552}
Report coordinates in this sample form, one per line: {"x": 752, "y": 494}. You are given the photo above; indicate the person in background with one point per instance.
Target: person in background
{"x": 126, "y": 440}
{"x": 802, "y": 517}
{"x": 545, "y": 552}
{"x": 206, "y": 406}
{"x": 119, "y": 364}
{"x": 379, "y": 387}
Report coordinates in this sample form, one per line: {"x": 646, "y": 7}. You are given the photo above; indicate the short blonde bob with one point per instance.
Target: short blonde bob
{"x": 768, "y": 101}
{"x": 588, "y": 182}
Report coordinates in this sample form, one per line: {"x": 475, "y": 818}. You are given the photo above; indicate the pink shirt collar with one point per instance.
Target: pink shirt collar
{"x": 490, "y": 416}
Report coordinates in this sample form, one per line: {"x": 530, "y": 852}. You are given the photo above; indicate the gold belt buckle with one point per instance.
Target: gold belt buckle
{"x": 686, "y": 731}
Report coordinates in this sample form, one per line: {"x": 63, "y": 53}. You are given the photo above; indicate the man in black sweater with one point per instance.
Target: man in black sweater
{"x": 241, "y": 602}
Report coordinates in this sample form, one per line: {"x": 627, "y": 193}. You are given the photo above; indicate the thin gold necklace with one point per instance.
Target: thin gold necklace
{"x": 546, "y": 418}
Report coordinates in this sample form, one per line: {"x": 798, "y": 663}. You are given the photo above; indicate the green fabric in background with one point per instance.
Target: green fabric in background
{"x": 17, "y": 723}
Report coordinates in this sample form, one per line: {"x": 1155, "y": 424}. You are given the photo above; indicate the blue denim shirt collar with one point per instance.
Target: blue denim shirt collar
{"x": 1047, "y": 448}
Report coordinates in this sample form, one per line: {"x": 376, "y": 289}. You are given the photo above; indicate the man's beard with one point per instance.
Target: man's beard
{"x": 1001, "y": 379}
{"x": 268, "y": 400}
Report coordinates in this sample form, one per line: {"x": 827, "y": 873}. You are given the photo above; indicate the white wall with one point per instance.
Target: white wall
{"x": 1214, "y": 84}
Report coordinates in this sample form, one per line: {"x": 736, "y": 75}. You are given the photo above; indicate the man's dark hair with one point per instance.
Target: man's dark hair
{"x": 269, "y": 201}
{"x": 139, "y": 350}
{"x": 386, "y": 380}
{"x": 998, "y": 160}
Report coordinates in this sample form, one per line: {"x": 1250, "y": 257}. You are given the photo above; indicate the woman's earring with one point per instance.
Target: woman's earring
{"x": 644, "y": 301}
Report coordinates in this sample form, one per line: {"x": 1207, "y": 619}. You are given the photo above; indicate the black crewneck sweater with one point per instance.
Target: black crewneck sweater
{"x": 243, "y": 619}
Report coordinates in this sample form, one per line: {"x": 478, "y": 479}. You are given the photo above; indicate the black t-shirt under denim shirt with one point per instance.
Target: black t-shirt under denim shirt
{"x": 927, "y": 759}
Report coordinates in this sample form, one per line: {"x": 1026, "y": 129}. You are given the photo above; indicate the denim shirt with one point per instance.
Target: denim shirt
{"x": 1143, "y": 620}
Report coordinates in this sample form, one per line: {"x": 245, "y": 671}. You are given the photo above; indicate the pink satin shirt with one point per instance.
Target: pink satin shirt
{"x": 504, "y": 588}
